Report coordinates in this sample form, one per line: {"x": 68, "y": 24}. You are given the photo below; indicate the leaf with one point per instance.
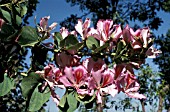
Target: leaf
{"x": 101, "y": 48}
{"x": 38, "y": 99}
{"x": 28, "y": 36}
{"x": 69, "y": 42}
{"x": 18, "y": 20}
{"x": 23, "y": 10}
{"x": 63, "y": 101}
{"x": 92, "y": 43}
{"x": 85, "y": 99}
{"x": 6, "y": 32}
{"x": 68, "y": 103}
{"x": 57, "y": 38}
{"x": 6, "y": 85}
{"x": 120, "y": 46}
{"x": 72, "y": 102}
{"x": 75, "y": 47}
{"x": 6, "y": 15}
{"x": 29, "y": 83}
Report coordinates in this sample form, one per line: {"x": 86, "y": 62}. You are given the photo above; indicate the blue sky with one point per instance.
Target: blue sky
{"x": 58, "y": 10}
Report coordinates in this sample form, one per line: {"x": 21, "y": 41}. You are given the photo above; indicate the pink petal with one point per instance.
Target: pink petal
{"x": 65, "y": 81}
{"x": 86, "y": 24}
{"x": 97, "y": 77}
{"x": 127, "y": 35}
{"x": 136, "y": 33}
{"x": 80, "y": 73}
{"x": 69, "y": 74}
{"x": 64, "y": 32}
{"x": 107, "y": 78}
{"x": 52, "y": 26}
{"x": 99, "y": 97}
{"x": 136, "y": 95}
{"x": 79, "y": 27}
{"x": 100, "y": 26}
{"x": 44, "y": 22}
{"x": 145, "y": 35}
{"x": 117, "y": 33}
{"x": 112, "y": 90}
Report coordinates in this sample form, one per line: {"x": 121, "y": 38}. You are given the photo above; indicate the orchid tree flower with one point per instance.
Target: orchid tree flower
{"x": 152, "y": 52}
{"x": 132, "y": 86}
{"x": 44, "y": 29}
{"x": 127, "y": 36}
{"x": 90, "y": 64}
{"x": 51, "y": 75}
{"x": 117, "y": 34}
{"x": 64, "y": 32}
{"x": 127, "y": 82}
{"x": 144, "y": 36}
{"x": 83, "y": 28}
{"x": 104, "y": 28}
{"x": 141, "y": 37}
{"x": 104, "y": 83}
{"x": 64, "y": 59}
{"x": 75, "y": 77}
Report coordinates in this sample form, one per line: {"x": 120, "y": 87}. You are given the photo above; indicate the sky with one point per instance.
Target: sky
{"x": 58, "y": 10}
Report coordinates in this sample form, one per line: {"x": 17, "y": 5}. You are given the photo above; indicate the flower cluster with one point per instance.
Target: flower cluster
{"x": 93, "y": 75}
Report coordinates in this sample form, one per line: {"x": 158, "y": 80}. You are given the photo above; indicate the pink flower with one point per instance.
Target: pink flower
{"x": 132, "y": 86}
{"x": 64, "y": 32}
{"x": 117, "y": 33}
{"x": 44, "y": 28}
{"x": 152, "y": 52}
{"x": 127, "y": 36}
{"x": 104, "y": 83}
{"x": 92, "y": 65}
{"x": 104, "y": 30}
{"x": 143, "y": 35}
{"x": 83, "y": 28}
{"x": 74, "y": 77}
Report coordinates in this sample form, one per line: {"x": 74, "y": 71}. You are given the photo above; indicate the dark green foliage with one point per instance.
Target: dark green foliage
{"x": 163, "y": 60}
{"x": 121, "y": 11}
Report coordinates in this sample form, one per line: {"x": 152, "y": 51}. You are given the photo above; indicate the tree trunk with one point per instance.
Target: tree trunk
{"x": 160, "y": 104}
{"x": 143, "y": 105}
{"x": 161, "y": 98}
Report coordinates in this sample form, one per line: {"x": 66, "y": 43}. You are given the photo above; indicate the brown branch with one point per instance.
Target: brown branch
{"x": 160, "y": 107}
{"x": 143, "y": 105}
{"x": 161, "y": 98}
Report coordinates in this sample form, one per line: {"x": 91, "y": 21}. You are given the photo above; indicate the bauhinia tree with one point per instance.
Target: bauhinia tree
{"x": 124, "y": 12}
{"x": 87, "y": 63}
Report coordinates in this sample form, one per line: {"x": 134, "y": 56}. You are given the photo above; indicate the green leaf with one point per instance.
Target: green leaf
{"x": 120, "y": 47}
{"x": 57, "y": 38}
{"x": 18, "y": 20}
{"x": 68, "y": 103}
{"x": 69, "y": 42}
{"x": 92, "y": 43}
{"x": 23, "y": 10}
{"x": 6, "y": 15}
{"x": 28, "y": 36}
{"x": 75, "y": 47}
{"x": 85, "y": 99}
{"x": 38, "y": 99}
{"x": 7, "y": 31}
{"x": 6, "y": 85}
{"x": 63, "y": 100}
{"x": 101, "y": 48}
{"x": 29, "y": 83}
{"x": 72, "y": 102}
